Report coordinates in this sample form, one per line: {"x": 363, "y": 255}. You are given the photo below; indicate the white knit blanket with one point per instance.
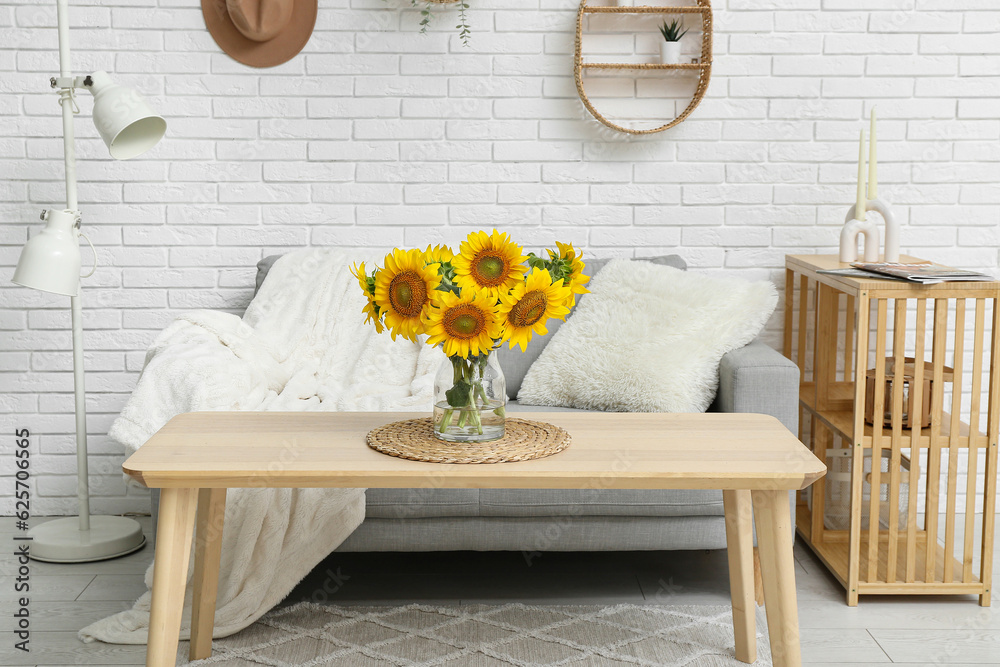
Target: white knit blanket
{"x": 301, "y": 345}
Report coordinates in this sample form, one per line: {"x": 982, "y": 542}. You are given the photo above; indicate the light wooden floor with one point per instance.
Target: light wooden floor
{"x": 911, "y": 631}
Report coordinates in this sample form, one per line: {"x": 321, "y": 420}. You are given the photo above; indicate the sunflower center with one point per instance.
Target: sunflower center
{"x": 489, "y": 270}
{"x": 407, "y": 293}
{"x": 528, "y": 310}
{"x": 464, "y": 321}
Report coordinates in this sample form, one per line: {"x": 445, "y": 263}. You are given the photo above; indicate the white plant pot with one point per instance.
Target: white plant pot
{"x": 670, "y": 53}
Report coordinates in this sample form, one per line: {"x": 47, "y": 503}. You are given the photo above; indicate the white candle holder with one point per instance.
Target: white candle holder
{"x": 849, "y": 239}
{"x": 869, "y": 229}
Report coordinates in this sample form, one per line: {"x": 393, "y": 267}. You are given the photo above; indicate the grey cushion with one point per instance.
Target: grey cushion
{"x": 421, "y": 503}
{"x": 599, "y": 502}
{"x": 514, "y": 406}
{"x": 527, "y": 534}
{"x": 263, "y": 266}
{"x": 515, "y": 363}
{"x": 424, "y": 503}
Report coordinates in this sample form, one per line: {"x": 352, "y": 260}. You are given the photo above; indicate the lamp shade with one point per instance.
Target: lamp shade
{"x": 50, "y": 260}
{"x": 126, "y": 123}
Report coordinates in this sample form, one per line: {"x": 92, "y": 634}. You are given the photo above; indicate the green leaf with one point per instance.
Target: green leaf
{"x": 458, "y": 395}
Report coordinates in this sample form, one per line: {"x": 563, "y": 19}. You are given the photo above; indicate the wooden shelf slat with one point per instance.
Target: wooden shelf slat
{"x": 841, "y": 421}
{"x": 640, "y": 66}
{"x": 643, "y": 9}
{"x": 834, "y": 554}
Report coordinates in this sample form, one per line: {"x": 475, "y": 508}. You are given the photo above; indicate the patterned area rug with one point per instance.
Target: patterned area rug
{"x": 419, "y": 635}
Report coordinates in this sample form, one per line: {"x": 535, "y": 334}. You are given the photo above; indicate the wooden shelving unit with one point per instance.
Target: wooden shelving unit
{"x": 863, "y": 519}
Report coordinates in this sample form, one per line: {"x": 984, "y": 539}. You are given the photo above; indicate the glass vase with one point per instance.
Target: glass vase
{"x": 470, "y": 396}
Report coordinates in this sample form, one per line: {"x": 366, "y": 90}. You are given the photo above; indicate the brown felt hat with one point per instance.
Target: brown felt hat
{"x": 260, "y": 33}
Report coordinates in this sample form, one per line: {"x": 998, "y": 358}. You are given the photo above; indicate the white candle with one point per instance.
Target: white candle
{"x": 873, "y": 161}
{"x": 859, "y": 210}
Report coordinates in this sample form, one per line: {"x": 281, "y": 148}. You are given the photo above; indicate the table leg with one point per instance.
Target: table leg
{"x": 205, "y": 586}
{"x": 173, "y": 547}
{"x": 758, "y": 584}
{"x": 777, "y": 564}
{"x": 739, "y": 544}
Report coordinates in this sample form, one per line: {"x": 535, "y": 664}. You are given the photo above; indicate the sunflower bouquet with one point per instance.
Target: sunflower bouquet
{"x": 469, "y": 304}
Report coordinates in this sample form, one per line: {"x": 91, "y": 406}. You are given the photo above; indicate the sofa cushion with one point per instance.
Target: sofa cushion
{"x": 514, "y": 405}
{"x": 515, "y": 363}
{"x": 540, "y": 534}
{"x": 648, "y": 339}
{"x": 425, "y": 503}
{"x": 421, "y": 503}
{"x": 263, "y": 266}
{"x": 599, "y": 502}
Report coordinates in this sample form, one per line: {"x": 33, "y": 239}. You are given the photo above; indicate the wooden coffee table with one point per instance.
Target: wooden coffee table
{"x": 752, "y": 458}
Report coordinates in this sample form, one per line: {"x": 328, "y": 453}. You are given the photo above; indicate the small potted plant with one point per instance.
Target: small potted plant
{"x": 670, "y": 47}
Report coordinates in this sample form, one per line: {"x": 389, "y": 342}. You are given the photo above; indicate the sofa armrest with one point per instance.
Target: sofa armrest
{"x": 758, "y": 378}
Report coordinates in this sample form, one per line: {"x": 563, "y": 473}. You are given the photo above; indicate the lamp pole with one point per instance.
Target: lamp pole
{"x": 67, "y": 102}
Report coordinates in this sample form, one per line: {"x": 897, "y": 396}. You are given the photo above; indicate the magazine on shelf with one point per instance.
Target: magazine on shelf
{"x": 924, "y": 274}
{"x": 857, "y": 273}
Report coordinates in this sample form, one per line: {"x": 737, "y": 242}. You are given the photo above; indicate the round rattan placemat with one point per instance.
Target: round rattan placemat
{"x": 414, "y": 439}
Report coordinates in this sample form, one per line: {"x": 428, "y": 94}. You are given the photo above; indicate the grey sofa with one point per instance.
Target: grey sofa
{"x": 755, "y": 378}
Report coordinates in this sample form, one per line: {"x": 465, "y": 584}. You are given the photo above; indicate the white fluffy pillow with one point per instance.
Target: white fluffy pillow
{"x": 648, "y": 338}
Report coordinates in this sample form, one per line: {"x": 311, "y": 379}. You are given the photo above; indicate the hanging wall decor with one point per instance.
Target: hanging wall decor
{"x": 702, "y": 67}
{"x": 260, "y": 34}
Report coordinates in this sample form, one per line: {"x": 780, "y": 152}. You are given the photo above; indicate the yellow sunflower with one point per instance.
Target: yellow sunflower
{"x": 439, "y": 254}
{"x": 368, "y": 287}
{"x": 490, "y": 263}
{"x": 529, "y": 305}
{"x": 465, "y": 325}
{"x": 574, "y": 279}
{"x": 403, "y": 291}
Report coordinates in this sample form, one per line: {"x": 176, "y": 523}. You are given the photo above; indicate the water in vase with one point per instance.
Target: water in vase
{"x": 469, "y": 424}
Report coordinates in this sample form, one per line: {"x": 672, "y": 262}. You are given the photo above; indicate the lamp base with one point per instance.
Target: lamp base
{"x": 62, "y": 541}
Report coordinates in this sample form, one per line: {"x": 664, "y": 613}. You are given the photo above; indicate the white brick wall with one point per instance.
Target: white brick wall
{"x": 377, "y": 136}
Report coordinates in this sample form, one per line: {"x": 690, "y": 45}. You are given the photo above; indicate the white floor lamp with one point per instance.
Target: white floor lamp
{"x": 50, "y": 261}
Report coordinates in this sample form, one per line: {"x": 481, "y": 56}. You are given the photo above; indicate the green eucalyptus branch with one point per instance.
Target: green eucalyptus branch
{"x": 426, "y": 16}
{"x": 464, "y": 32}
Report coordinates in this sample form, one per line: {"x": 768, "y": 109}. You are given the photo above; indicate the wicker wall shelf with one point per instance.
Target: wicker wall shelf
{"x": 703, "y": 67}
